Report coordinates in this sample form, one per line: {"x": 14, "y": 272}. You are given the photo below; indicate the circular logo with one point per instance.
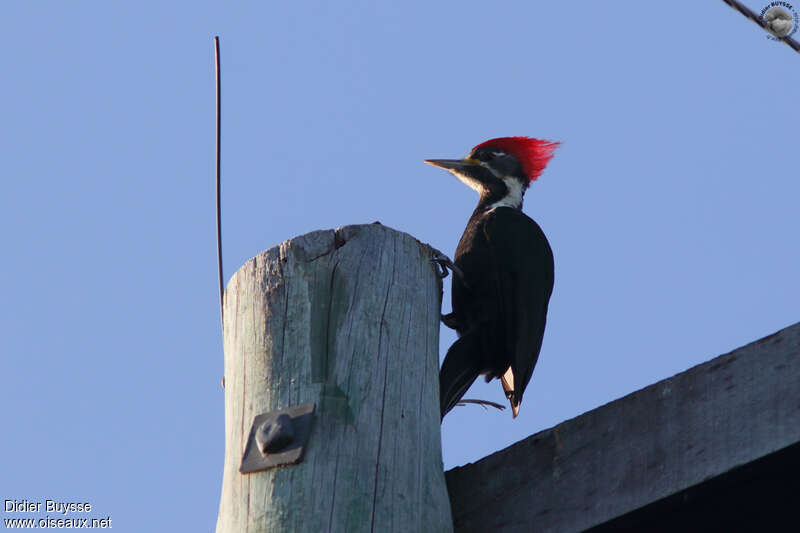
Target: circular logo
{"x": 780, "y": 19}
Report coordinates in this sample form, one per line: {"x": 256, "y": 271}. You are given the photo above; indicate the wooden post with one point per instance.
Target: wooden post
{"x": 348, "y": 319}
{"x": 714, "y": 448}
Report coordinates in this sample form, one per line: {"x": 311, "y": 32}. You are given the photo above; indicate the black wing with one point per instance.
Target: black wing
{"x": 523, "y": 272}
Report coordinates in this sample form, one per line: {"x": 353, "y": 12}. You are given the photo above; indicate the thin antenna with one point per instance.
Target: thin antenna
{"x": 219, "y": 210}
{"x": 744, "y": 10}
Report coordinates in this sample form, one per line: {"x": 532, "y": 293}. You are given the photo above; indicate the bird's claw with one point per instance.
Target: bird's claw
{"x": 450, "y": 321}
{"x": 441, "y": 271}
{"x": 442, "y": 263}
{"x": 482, "y": 403}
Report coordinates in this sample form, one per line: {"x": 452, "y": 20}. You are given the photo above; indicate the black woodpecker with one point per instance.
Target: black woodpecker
{"x": 501, "y": 293}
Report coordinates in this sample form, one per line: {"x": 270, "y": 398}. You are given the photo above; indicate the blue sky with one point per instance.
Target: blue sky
{"x": 671, "y": 207}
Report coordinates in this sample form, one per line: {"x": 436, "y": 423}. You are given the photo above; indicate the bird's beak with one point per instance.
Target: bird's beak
{"x": 458, "y": 165}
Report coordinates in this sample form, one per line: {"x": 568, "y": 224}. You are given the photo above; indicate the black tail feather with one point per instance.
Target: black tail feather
{"x": 459, "y": 370}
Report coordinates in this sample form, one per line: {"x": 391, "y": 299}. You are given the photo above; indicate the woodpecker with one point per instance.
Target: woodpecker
{"x": 503, "y": 278}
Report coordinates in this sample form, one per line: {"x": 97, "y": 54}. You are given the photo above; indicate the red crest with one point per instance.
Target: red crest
{"x": 534, "y": 154}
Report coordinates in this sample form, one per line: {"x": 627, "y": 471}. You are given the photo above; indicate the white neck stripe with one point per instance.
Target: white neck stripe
{"x": 513, "y": 197}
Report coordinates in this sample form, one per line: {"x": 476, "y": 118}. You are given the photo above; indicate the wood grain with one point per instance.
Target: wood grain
{"x": 639, "y": 449}
{"x": 348, "y": 319}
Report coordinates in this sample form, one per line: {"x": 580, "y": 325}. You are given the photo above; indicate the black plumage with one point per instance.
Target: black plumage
{"x": 500, "y": 304}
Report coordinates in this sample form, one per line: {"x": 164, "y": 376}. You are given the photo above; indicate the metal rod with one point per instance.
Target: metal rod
{"x": 744, "y": 10}
{"x": 219, "y": 209}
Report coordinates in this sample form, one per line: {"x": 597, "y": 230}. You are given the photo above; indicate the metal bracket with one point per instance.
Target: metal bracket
{"x": 278, "y": 438}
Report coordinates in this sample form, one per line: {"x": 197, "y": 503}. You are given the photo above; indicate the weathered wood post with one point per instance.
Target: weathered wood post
{"x": 348, "y": 320}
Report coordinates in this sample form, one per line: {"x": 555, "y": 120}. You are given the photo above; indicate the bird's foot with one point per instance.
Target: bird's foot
{"x": 442, "y": 263}
{"x": 450, "y": 321}
{"x": 482, "y": 403}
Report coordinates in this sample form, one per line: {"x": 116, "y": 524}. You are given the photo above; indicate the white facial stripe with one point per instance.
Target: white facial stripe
{"x": 469, "y": 181}
{"x": 513, "y": 197}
